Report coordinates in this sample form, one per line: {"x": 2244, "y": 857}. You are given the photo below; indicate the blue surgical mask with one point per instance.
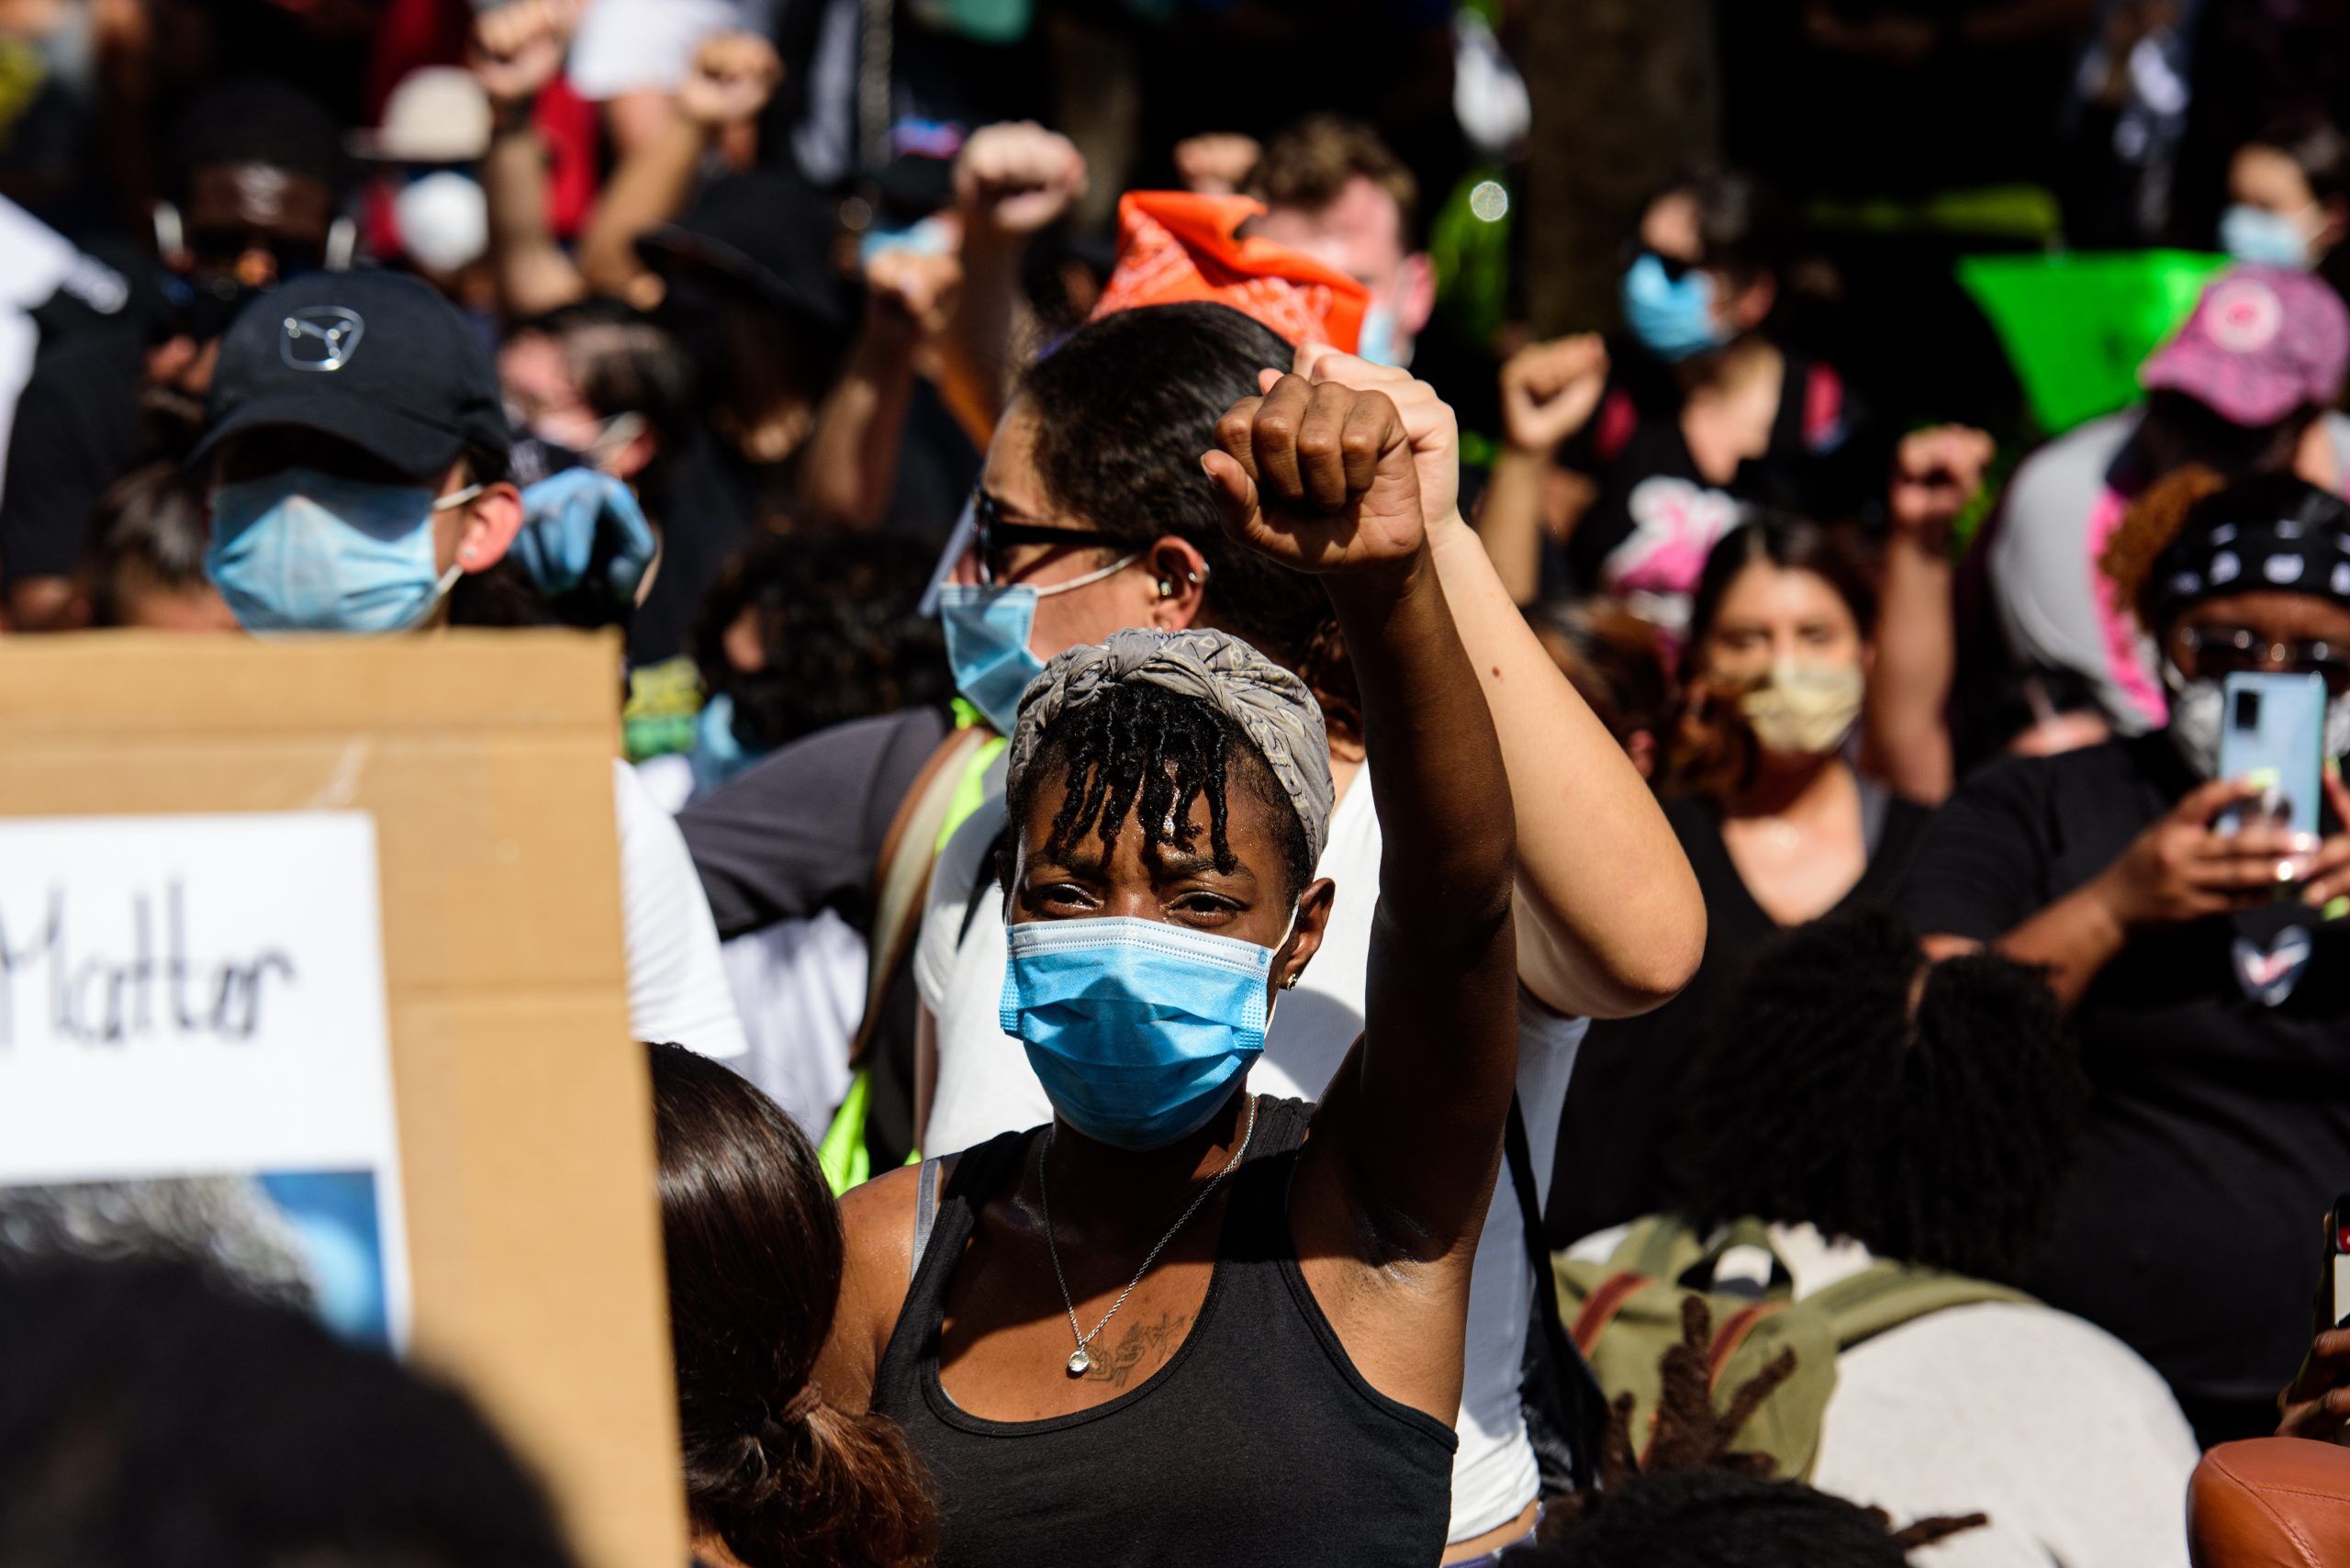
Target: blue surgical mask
{"x": 2257, "y": 234}
{"x": 988, "y": 629}
{"x": 1137, "y": 1029}
{"x": 719, "y": 754}
{"x": 302, "y": 550}
{"x": 1673, "y": 321}
{"x": 1376, "y": 343}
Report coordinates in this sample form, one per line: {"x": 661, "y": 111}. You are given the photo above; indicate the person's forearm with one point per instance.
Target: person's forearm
{"x": 986, "y": 334}
{"x": 533, "y": 274}
{"x": 1611, "y": 921}
{"x": 649, "y": 188}
{"x": 1907, "y": 735}
{"x": 851, "y": 468}
{"x": 1509, "y": 521}
{"x": 2072, "y": 939}
{"x": 1437, "y": 775}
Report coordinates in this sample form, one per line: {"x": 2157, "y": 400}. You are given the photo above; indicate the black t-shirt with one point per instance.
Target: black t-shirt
{"x": 1620, "y": 1121}
{"x": 800, "y": 832}
{"x": 77, "y": 430}
{"x": 1647, "y": 534}
{"x": 2220, "y": 1130}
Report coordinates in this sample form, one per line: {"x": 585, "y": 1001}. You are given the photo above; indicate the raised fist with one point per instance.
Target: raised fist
{"x": 1935, "y": 473}
{"x": 911, "y": 293}
{"x": 518, "y": 49}
{"x": 1016, "y": 178}
{"x": 1429, "y": 422}
{"x": 731, "y": 80}
{"x": 1548, "y": 390}
{"x": 1319, "y": 477}
{"x": 1216, "y": 163}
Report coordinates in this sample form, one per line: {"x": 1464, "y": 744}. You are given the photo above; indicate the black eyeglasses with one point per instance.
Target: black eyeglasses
{"x": 991, "y": 536}
{"x": 2222, "y": 651}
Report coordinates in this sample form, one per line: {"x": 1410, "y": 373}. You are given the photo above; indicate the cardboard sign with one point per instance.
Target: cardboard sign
{"x": 156, "y": 773}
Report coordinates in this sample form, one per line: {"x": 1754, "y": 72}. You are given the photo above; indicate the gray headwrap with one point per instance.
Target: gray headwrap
{"x": 1272, "y": 706}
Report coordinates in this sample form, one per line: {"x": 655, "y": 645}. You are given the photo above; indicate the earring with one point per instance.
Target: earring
{"x": 1166, "y": 588}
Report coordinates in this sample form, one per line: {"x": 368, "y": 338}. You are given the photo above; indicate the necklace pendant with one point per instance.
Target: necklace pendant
{"x": 1080, "y": 1362}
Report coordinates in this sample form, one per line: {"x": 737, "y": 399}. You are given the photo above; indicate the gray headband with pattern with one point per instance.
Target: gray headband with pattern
{"x": 1272, "y": 706}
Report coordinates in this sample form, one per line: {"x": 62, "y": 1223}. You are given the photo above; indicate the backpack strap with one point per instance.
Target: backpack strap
{"x": 901, "y": 874}
{"x": 1887, "y": 1295}
{"x": 926, "y": 1211}
{"x": 1600, "y": 1308}
{"x": 1733, "y": 1334}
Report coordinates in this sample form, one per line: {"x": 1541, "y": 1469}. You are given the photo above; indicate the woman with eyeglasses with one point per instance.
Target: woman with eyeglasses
{"x": 1633, "y": 458}
{"x": 2197, "y": 945}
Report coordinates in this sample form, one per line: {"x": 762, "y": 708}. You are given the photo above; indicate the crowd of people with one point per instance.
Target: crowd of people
{"x": 1839, "y": 1067}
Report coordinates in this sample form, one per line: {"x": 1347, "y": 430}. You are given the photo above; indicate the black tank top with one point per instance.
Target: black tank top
{"x": 1257, "y": 1442}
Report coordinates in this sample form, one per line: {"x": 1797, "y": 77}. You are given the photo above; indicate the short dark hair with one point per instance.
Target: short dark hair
{"x": 1932, "y": 1131}
{"x": 840, "y": 629}
{"x": 1792, "y": 544}
{"x": 1142, "y": 749}
{"x": 753, "y": 1245}
{"x": 2317, "y": 148}
{"x": 259, "y": 119}
{"x": 148, "y": 1418}
{"x": 1742, "y": 227}
{"x": 150, "y": 530}
{"x": 623, "y": 361}
{"x": 1307, "y": 165}
{"x": 1125, "y": 407}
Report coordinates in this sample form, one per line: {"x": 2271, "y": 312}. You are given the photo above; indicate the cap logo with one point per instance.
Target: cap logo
{"x": 2244, "y": 317}
{"x": 321, "y": 337}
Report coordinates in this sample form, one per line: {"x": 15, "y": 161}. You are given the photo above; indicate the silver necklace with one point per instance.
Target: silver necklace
{"x": 1081, "y": 1360}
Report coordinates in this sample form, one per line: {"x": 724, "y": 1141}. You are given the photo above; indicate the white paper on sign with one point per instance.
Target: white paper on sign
{"x": 200, "y": 996}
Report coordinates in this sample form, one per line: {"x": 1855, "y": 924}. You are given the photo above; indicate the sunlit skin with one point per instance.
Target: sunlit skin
{"x": 1162, "y": 588}
{"x": 1795, "y": 836}
{"x": 2268, "y": 179}
{"x": 1361, "y": 235}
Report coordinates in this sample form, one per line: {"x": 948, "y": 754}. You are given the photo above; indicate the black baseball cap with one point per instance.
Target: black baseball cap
{"x": 372, "y": 358}
{"x": 768, "y": 234}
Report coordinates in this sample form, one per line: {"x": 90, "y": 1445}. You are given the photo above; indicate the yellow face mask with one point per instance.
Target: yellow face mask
{"x": 1805, "y": 710}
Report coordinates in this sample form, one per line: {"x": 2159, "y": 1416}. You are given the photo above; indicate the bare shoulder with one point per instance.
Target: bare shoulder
{"x": 877, "y": 1265}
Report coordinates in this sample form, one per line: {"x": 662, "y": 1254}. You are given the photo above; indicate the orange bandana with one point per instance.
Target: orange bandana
{"x": 1174, "y": 246}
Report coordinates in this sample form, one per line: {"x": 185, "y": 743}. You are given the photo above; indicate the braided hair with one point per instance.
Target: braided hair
{"x": 1694, "y": 1502}
{"x": 1143, "y": 749}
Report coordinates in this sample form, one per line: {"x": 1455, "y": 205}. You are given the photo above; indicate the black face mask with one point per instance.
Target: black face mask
{"x": 533, "y": 457}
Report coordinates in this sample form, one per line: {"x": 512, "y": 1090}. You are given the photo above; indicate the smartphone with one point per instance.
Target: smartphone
{"x": 2334, "y": 1296}
{"x": 2272, "y": 733}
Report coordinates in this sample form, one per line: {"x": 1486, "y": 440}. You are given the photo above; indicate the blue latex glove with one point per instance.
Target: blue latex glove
{"x": 567, "y": 516}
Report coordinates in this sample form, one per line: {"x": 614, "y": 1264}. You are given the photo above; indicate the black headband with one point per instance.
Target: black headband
{"x": 2280, "y": 555}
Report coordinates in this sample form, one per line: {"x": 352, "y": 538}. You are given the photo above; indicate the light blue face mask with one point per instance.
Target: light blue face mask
{"x": 1673, "y": 321}
{"x": 2257, "y": 234}
{"x": 302, "y": 550}
{"x": 988, "y": 627}
{"x": 1377, "y": 341}
{"x": 1137, "y": 1029}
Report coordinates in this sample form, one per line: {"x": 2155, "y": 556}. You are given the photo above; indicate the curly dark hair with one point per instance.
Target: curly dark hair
{"x": 1925, "y": 1110}
{"x": 1145, "y": 749}
{"x": 753, "y": 1241}
{"x": 838, "y": 633}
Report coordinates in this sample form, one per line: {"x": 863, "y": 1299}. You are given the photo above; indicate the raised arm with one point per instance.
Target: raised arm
{"x": 732, "y": 78}
{"x": 517, "y": 49}
{"x": 1610, "y": 922}
{"x": 1320, "y": 478}
{"x": 852, "y": 465}
{"x": 1548, "y": 392}
{"x": 1011, "y": 182}
{"x": 1906, "y": 732}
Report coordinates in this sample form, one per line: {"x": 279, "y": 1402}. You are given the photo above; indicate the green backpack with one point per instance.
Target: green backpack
{"x": 1626, "y": 1313}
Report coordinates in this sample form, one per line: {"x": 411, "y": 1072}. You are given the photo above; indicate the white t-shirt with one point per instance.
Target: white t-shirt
{"x": 799, "y": 987}
{"x": 2050, "y": 1425}
{"x": 625, "y": 46}
{"x": 986, "y": 1087}
{"x": 677, "y": 991}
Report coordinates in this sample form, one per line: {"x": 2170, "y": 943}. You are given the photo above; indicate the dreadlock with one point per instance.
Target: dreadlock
{"x": 1143, "y": 749}
{"x": 1693, "y": 1502}
{"x": 1924, "y": 1111}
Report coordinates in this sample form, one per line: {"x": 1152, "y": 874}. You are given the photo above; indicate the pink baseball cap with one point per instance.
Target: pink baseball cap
{"x": 2262, "y": 341}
